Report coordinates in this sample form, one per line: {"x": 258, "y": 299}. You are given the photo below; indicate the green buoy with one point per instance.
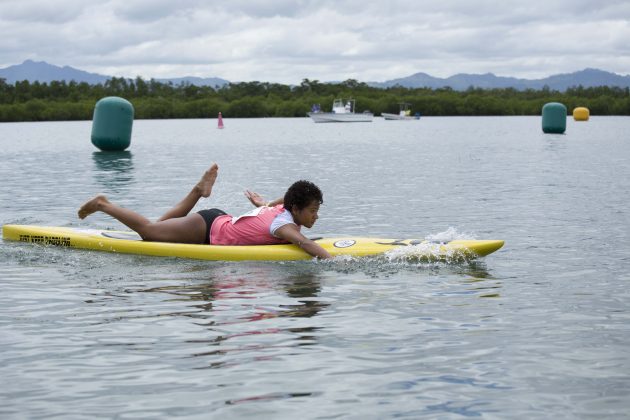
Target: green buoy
{"x": 554, "y": 118}
{"x": 111, "y": 124}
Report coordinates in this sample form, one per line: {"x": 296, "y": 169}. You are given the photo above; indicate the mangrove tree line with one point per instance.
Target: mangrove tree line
{"x": 60, "y": 100}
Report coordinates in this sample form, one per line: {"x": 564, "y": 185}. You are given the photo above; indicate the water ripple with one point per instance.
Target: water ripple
{"x": 537, "y": 330}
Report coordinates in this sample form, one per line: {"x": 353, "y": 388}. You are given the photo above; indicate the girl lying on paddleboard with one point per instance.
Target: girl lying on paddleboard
{"x": 276, "y": 222}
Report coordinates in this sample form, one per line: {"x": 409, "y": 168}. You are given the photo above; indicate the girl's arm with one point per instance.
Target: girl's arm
{"x": 276, "y": 202}
{"x": 258, "y": 201}
{"x": 291, "y": 233}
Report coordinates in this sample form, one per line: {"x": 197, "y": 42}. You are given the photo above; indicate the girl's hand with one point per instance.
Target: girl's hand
{"x": 255, "y": 198}
{"x": 292, "y": 234}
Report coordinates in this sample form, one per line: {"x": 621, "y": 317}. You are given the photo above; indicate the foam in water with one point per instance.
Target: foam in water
{"x": 448, "y": 235}
{"x": 432, "y": 249}
{"x": 427, "y": 254}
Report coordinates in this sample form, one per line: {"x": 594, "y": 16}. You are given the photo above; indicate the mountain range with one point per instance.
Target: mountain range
{"x": 561, "y": 82}
{"x": 44, "y": 72}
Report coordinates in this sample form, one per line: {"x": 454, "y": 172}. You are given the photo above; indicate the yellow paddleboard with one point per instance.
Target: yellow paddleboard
{"x": 131, "y": 243}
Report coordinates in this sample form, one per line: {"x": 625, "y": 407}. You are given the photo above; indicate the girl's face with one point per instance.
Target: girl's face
{"x": 308, "y": 215}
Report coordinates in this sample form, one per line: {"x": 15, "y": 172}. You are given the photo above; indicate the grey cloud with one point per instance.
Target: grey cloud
{"x": 286, "y": 41}
{"x": 153, "y": 10}
{"x": 46, "y": 11}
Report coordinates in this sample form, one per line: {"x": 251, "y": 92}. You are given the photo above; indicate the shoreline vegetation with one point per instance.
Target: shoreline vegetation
{"x": 67, "y": 101}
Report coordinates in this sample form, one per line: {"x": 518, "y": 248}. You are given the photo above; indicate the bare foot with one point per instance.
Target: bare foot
{"x": 91, "y": 206}
{"x": 205, "y": 184}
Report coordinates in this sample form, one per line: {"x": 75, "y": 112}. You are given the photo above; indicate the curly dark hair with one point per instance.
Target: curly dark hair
{"x": 301, "y": 194}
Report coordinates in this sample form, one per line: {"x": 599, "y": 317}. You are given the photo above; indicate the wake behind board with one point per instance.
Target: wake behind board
{"x": 131, "y": 243}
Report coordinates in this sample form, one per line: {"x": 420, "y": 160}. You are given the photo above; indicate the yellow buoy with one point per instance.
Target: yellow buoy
{"x": 581, "y": 114}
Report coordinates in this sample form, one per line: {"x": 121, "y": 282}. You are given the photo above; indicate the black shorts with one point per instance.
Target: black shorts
{"x": 209, "y": 216}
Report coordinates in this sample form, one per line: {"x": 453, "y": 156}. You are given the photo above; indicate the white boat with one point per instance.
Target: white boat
{"x": 404, "y": 114}
{"x": 341, "y": 113}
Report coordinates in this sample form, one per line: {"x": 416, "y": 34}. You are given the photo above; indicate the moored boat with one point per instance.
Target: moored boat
{"x": 404, "y": 114}
{"x": 341, "y": 112}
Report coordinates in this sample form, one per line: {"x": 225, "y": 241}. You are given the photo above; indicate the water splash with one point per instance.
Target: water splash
{"x": 427, "y": 252}
{"x": 448, "y": 235}
{"x": 433, "y": 249}
{"x": 428, "y": 255}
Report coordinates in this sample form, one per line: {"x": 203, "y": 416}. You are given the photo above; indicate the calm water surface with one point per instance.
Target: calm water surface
{"x": 538, "y": 330}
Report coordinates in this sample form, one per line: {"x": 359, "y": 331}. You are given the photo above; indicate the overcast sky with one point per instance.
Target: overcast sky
{"x": 286, "y": 41}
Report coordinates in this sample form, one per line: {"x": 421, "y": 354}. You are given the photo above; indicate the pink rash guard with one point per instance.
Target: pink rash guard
{"x": 252, "y": 228}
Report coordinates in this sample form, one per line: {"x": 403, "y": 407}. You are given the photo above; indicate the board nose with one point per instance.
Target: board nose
{"x": 488, "y": 246}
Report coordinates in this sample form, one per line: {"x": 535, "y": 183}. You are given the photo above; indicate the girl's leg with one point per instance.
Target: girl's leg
{"x": 188, "y": 229}
{"x": 202, "y": 189}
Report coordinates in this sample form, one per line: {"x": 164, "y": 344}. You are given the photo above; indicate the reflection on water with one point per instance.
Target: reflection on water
{"x": 236, "y": 308}
{"x": 477, "y": 270}
{"x": 114, "y": 170}
{"x": 214, "y": 295}
{"x": 554, "y": 142}
{"x": 271, "y": 397}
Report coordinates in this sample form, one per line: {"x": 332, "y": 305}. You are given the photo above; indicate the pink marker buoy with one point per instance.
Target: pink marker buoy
{"x": 220, "y": 121}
